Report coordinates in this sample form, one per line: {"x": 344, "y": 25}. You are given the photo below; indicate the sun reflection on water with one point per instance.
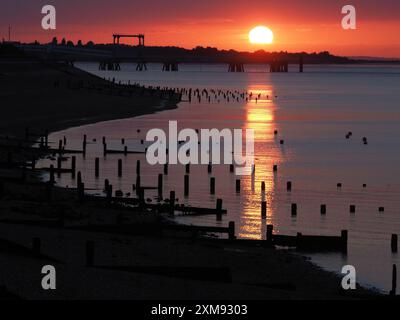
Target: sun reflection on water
{"x": 260, "y": 116}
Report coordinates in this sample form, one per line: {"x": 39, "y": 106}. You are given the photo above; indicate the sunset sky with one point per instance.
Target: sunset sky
{"x": 312, "y": 25}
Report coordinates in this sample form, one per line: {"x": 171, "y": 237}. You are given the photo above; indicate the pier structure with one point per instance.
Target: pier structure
{"x": 236, "y": 67}
{"x": 170, "y": 66}
{"x": 279, "y": 66}
{"x": 113, "y": 64}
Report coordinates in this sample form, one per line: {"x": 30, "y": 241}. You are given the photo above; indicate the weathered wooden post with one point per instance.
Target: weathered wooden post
{"x": 294, "y": 209}
{"x": 238, "y": 186}
{"x": 394, "y": 281}
{"x": 212, "y": 185}
{"x": 270, "y": 229}
{"x": 160, "y": 186}
{"x": 89, "y": 253}
{"x": 166, "y": 169}
{"x": 59, "y": 166}
{"x": 73, "y": 166}
{"x": 52, "y": 179}
{"x": 344, "y": 235}
{"x": 109, "y": 191}
{"x": 79, "y": 179}
{"x": 138, "y": 185}
{"x": 219, "y": 209}
{"x": 119, "y": 168}
{"x": 394, "y": 243}
{"x": 36, "y": 246}
{"x": 323, "y": 209}
{"x": 231, "y": 232}
{"x": 96, "y": 167}
{"x": 141, "y": 197}
{"x": 172, "y": 203}
{"x": 263, "y": 209}
{"x": 84, "y": 148}
{"x": 186, "y": 185}
{"x": 81, "y": 191}
{"x": 138, "y": 167}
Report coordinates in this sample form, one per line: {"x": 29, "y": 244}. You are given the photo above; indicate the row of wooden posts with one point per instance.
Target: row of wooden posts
{"x": 140, "y": 191}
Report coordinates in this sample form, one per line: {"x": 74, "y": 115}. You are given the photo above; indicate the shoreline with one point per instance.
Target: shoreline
{"x": 288, "y": 277}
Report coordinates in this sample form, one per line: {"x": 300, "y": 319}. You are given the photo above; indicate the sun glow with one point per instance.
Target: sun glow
{"x": 261, "y": 35}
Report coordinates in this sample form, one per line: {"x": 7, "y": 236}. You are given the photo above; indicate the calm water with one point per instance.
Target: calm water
{"x": 313, "y": 112}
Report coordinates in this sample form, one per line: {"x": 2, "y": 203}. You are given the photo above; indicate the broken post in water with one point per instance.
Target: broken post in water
{"x": 96, "y": 167}
{"x": 219, "y": 209}
{"x": 212, "y": 185}
{"x": 186, "y": 185}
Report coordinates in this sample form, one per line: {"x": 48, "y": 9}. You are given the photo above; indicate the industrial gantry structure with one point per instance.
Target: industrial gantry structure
{"x": 113, "y": 64}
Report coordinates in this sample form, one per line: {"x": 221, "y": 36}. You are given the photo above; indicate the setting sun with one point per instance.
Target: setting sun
{"x": 261, "y": 35}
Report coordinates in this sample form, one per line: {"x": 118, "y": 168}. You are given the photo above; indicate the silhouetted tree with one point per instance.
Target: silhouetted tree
{"x": 79, "y": 44}
{"x": 54, "y": 41}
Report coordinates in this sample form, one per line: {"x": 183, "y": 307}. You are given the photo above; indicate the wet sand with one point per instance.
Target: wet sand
{"x": 135, "y": 266}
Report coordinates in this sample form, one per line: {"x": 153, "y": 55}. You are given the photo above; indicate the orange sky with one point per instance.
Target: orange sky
{"x": 297, "y": 25}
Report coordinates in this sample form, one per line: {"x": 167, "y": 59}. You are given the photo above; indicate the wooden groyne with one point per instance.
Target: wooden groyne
{"x": 307, "y": 242}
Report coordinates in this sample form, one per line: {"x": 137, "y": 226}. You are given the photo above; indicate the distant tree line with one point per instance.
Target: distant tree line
{"x": 201, "y": 54}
